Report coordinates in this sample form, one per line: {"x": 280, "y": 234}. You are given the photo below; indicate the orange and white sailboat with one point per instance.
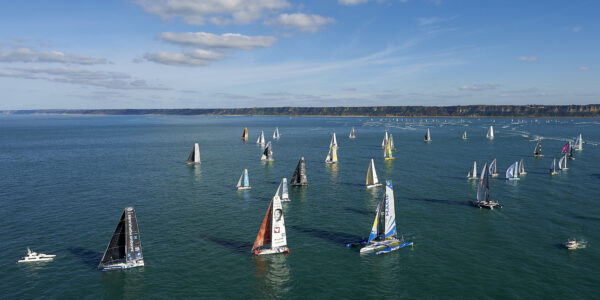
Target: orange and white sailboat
{"x": 271, "y": 238}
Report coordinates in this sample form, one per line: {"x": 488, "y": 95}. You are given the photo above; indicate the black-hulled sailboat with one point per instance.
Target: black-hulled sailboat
{"x": 299, "y": 177}
{"x": 124, "y": 250}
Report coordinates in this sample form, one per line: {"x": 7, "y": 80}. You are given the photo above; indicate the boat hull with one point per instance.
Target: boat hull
{"x": 35, "y": 260}
{"x": 384, "y": 246}
{"x": 121, "y": 266}
{"x": 486, "y": 204}
{"x": 243, "y": 188}
{"x": 373, "y": 185}
{"x": 271, "y": 251}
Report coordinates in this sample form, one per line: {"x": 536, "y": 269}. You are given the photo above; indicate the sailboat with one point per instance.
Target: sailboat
{"x": 490, "y": 133}
{"x": 299, "y": 177}
{"x": 276, "y": 133}
{"x": 562, "y": 163}
{"x": 261, "y": 138}
{"x": 245, "y": 135}
{"x": 512, "y": 173}
{"x": 285, "y": 196}
{"x": 553, "y": 167}
{"x": 464, "y": 136}
{"x": 571, "y": 157}
{"x": 271, "y": 238}
{"x": 387, "y": 151}
{"x": 482, "y": 199}
{"x": 383, "y": 237}
{"x": 428, "y": 136}
{"x": 522, "y": 168}
{"x": 194, "y": 157}
{"x": 537, "y": 152}
{"x": 385, "y": 139}
{"x": 392, "y": 143}
{"x": 244, "y": 182}
{"x": 579, "y": 143}
{"x": 268, "y": 153}
{"x": 372, "y": 180}
{"x": 332, "y": 154}
{"x": 352, "y": 134}
{"x": 492, "y": 169}
{"x": 472, "y": 174}
{"x": 124, "y": 250}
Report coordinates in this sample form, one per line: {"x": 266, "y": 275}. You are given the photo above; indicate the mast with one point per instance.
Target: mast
{"x": 299, "y": 177}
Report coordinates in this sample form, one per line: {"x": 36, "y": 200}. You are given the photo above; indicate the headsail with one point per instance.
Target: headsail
{"x": 125, "y": 247}
{"x": 299, "y": 177}
{"x": 194, "y": 155}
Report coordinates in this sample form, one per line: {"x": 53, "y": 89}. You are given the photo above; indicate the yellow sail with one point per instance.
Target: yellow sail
{"x": 387, "y": 152}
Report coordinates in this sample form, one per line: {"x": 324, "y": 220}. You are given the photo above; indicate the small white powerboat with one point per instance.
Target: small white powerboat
{"x": 35, "y": 257}
{"x": 572, "y": 244}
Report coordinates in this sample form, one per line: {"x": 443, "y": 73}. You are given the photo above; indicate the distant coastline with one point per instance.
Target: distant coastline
{"x": 468, "y": 111}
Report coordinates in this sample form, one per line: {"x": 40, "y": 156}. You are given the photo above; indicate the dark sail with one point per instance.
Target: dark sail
{"x": 191, "y": 157}
{"x": 299, "y": 177}
{"x": 125, "y": 245}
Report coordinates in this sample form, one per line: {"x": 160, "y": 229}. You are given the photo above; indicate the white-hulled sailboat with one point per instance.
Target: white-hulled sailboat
{"x": 352, "y": 134}
{"x": 512, "y": 173}
{"x": 261, "y": 138}
{"x": 562, "y": 163}
{"x": 332, "y": 154}
{"x": 268, "y": 153}
{"x": 271, "y": 238}
{"x": 490, "y": 133}
{"x": 384, "y": 236}
{"x": 427, "y": 136}
{"x": 472, "y": 174}
{"x": 285, "y": 196}
{"x": 194, "y": 157}
{"x": 299, "y": 177}
{"x": 537, "y": 151}
{"x": 372, "y": 180}
{"x": 482, "y": 199}
{"x": 124, "y": 250}
{"x": 244, "y": 182}
{"x": 522, "y": 168}
{"x": 579, "y": 143}
{"x": 492, "y": 169}
{"x": 385, "y": 140}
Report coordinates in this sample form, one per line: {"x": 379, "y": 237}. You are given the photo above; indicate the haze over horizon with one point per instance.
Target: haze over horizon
{"x": 269, "y": 53}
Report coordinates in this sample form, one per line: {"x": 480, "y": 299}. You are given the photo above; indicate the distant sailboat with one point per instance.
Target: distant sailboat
{"x": 392, "y": 143}
{"x": 245, "y": 135}
{"x": 124, "y": 250}
{"x": 571, "y": 157}
{"x": 385, "y": 140}
{"x": 387, "y": 151}
{"x": 579, "y": 143}
{"x": 472, "y": 174}
{"x": 537, "y": 152}
{"x": 332, "y": 154}
{"x": 261, "y": 138}
{"x": 244, "y": 182}
{"x": 285, "y": 196}
{"x": 352, "y": 134}
{"x": 268, "y": 153}
{"x": 464, "y": 136}
{"x": 492, "y": 169}
{"x": 562, "y": 163}
{"x": 522, "y": 168}
{"x": 490, "y": 133}
{"x": 384, "y": 236}
{"x": 512, "y": 173}
{"x": 271, "y": 238}
{"x": 276, "y": 133}
{"x": 482, "y": 199}
{"x": 427, "y": 136}
{"x": 372, "y": 180}
{"x": 553, "y": 167}
{"x": 194, "y": 157}
{"x": 299, "y": 177}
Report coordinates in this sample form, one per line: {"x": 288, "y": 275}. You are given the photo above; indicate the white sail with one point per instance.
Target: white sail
{"x": 385, "y": 140}
{"x": 261, "y": 138}
{"x": 513, "y": 172}
{"x": 553, "y": 167}
{"x": 428, "y": 136}
{"x": 194, "y": 156}
{"x": 392, "y": 142}
{"x": 278, "y": 238}
{"x": 352, "y": 134}
{"x": 276, "y": 133}
{"x": 522, "y": 168}
{"x": 244, "y": 182}
{"x": 475, "y": 169}
{"x": 490, "y": 133}
{"x": 372, "y": 179}
{"x": 464, "y": 136}
{"x": 333, "y": 141}
{"x": 562, "y": 163}
{"x": 284, "y": 190}
{"x": 579, "y": 143}
{"x": 390, "y": 211}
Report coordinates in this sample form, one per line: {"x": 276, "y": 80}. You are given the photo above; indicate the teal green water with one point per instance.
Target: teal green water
{"x": 66, "y": 179}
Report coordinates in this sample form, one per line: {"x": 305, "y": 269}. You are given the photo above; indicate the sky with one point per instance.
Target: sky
{"x": 263, "y": 53}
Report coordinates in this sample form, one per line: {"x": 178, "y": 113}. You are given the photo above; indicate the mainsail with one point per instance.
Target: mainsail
{"x": 579, "y": 143}
{"x": 553, "y": 167}
{"x": 245, "y": 135}
{"x": 392, "y": 147}
{"x": 384, "y": 225}
{"x": 261, "y": 138}
{"x": 268, "y": 153}
{"x": 284, "y": 190}
{"x": 125, "y": 247}
{"x": 276, "y": 133}
{"x": 483, "y": 188}
{"x": 299, "y": 177}
{"x": 194, "y": 157}
{"x": 272, "y": 230}
{"x": 332, "y": 154}
{"x": 522, "y": 168}
{"x": 562, "y": 163}
{"x": 244, "y": 182}
{"x": 387, "y": 151}
{"x": 490, "y": 133}
{"x": 537, "y": 152}
{"x": 492, "y": 168}
{"x": 372, "y": 180}
{"x": 385, "y": 140}
{"x": 513, "y": 172}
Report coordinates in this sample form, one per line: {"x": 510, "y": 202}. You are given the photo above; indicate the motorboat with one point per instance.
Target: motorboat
{"x": 35, "y": 257}
{"x": 572, "y": 244}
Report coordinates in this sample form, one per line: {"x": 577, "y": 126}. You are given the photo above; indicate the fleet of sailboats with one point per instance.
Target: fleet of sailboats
{"x": 194, "y": 157}
{"x": 124, "y": 250}
{"x": 271, "y": 238}
{"x": 490, "y": 133}
{"x": 244, "y": 182}
{"x": 372, "y": 180}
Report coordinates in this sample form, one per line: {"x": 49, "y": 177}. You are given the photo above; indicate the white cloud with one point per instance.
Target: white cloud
{"x": 582, "y": 69}
{"x": 479, "y": 87}
{"x": 28, "y": 55}
{"x": 527, "y": 58}
{"x": 197, "y": 57}
{"x": 300, "y": 21}
{"x": 109, "y": 80}
{"x": 352, "y": 2}
{"x": 220, "y": 12}
{"x": 223, "y": 41}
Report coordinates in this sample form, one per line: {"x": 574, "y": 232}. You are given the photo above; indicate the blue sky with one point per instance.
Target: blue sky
{"x": 246, "y": 53}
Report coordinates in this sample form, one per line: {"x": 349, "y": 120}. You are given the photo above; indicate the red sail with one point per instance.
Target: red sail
{"x": 264, "y": 234}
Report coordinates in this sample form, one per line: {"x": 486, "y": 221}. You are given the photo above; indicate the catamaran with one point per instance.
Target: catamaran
{"x": 427, "y": 136}
{"x": 537, "y": 152}
{"x": 512, "y": 173}
{"x": 352, "y": 134}
{"x": 492, "y": 169}
{"x": 522, "y": 168}
{"x": 285, "y": 196}
{"x": 490, "y": 133}
{"x": 482, "y": 200}
{"x": 383, "y": 237}
{"x": 299, "y": 177}
{"x": 464, "y": 136}
{"x": 271, "y": 236}
{"x": 553, "y": 167}
{"x": 245, "y": 135}
{"x": 194, "y": 157}
{"x": 472, "y": 174}
{"x": 562, "y": 163}
{"x": 268, "y": 153}
{"x": 579, "y": 143}
{"x": 261, "y": 138}
{"x": 276, "y": 133}
{"x": 332, "y": 154}
{"x": 387, "y": 151}
{"x": 36, "y": 257}
{"x": 372, "y": 180}
{"x": 244, "y": 182}
{"x": 392, "y": 143}
{"x": 124, "y": 250}
{"x": 385, "y": 140}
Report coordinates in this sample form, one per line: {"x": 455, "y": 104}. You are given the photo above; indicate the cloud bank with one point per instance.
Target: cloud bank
{"x": 28, "y": 55}
{"x": 300, "y": 21}
{"x": 223, "y": 41}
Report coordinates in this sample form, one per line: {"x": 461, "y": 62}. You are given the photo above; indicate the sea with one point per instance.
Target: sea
{"x": 66, "y": 179}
